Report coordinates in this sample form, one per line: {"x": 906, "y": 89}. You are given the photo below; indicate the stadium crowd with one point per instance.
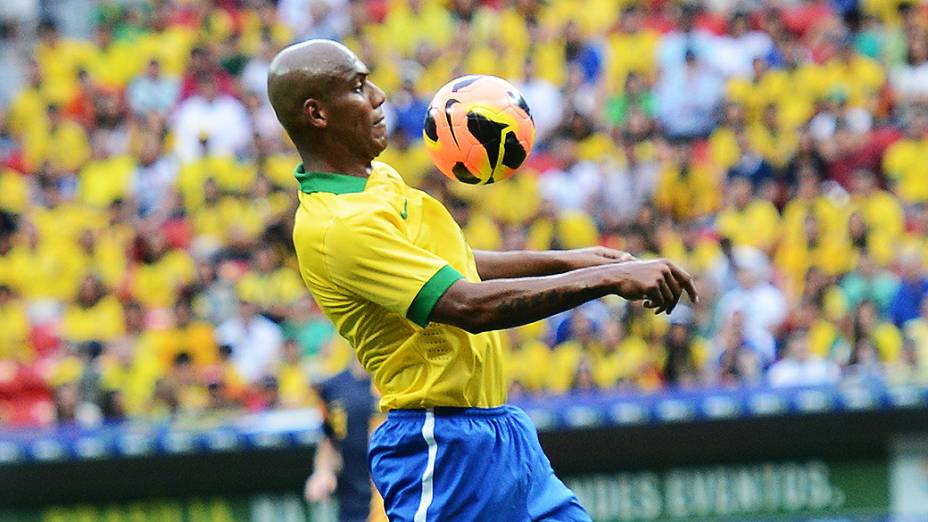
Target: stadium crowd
{"x": 777, "y": 150}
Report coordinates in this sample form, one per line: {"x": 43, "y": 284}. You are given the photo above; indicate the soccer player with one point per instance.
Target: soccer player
{"x": 340, "y": 464}
{"x": 390, "y": 267}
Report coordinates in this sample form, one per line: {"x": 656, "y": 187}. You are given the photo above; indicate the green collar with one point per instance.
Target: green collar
{"x": 328, "y": 182}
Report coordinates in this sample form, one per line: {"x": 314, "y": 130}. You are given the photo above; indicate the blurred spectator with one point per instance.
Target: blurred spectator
{"x": 294, "y": 387}
{"x": 409, "y": 110}
{"x": 686, "y": 43}
{"x": 745, "y": 220}
{"x": 869, "y": 283}
{"x": 585, "y": 54}
{"x": 152, "y": 92}
{"x": 738, "y": 361}
{"x": 684, "y": 353}
{"x": 308, "y": 327}
{"x": 904, "y": 160}
{"x": 202, "y": 68}
{"x": 14, "y": 327}
{"x": 762, "y": 306}
{"x": 574, "y": 184}
{"x": 95, "y": 316}
{"x": 184, "y": 385}
{"x": 688, "y": 99}
{"x": 913, "y": 288}
{"x": 735, "y": 51}
{"x": 882, "y": 335}
{"x": 909, "y": 79}
{"x": 272, "y": 287}
{"x": 799, "y": 367}
{"x": 255, "y": 342}
{"x": 625, "y": 187}
{"x": 636, "y": 95}
{"x": 544, "y": 99}
{"x": 583, "y": 381}
{"x": 153, "y": 180}
{"x": 751, "y": 164}
{"x": 315, "y": 18}
{"x": 215, "y": 299}
{"x": 209, "y": 123}
{"x": 254, "y": 75}
{"x": 161, "y": 271}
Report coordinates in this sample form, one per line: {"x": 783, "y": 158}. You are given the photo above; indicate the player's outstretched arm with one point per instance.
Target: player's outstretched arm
{"x": 529, "y": 263}
{"x": 505, "y": 303}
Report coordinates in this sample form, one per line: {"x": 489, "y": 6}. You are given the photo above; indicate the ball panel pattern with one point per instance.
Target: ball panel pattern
{"x": 478, "y": 129}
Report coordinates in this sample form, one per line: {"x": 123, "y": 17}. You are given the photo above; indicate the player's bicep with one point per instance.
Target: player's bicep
{"x": 373, "y": 260}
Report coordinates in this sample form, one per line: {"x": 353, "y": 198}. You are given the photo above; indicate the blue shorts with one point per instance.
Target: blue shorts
{"x": 466, "y": 464}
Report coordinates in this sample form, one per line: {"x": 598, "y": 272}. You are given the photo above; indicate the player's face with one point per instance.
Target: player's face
{"x": 357, "y": 114}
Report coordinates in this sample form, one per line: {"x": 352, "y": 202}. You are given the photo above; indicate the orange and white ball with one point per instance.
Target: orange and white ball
{"x": 478, "y": 129}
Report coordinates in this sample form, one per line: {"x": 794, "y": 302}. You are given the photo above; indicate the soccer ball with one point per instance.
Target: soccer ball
{"x": 478, "y": 129}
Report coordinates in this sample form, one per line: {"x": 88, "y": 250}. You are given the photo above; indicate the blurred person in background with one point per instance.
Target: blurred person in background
{"x": 545, "y": 99}
{"x": 916, "y": 347}
{"x": 269, "y": 285}
{"x": 625, "y": 186}
{"x": 185, "y": 386}
{"x": 153, "y": 180}
{"x": 574, "y": 184}
{"x": 869, "y": 282}
{"x": 737, "y": 361}
{"x": 864, "y": 365}
{"x": 214, "y": 296}
{"x": 340, "y": 463}
{"x": 14, "y": 326}
{"x": 94, "y": 316}
{"x": 637, "y": 94}
{"x": 913, "y": 287}
{"x": 409, "y": 108}
{"x": 762, "y": 305}
{"x": 684, "y": 351}
{"x": 202, "y": 67}
{"x": 868, "y": 325}
{"x": 153, "y": 92}
{"x": 799, "y": 367}
{"x": 256, "y": 342}
{"x": 308, "y": 327}
{"x": 209, "y": 123}
{"x": 688, "y": 99}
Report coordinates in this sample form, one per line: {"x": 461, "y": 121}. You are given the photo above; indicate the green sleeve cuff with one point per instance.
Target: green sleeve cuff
{"x": 421, "y": 307}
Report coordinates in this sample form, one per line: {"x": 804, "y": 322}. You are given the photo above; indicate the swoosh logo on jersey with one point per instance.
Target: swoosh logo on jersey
{"x": 404, "y": 214}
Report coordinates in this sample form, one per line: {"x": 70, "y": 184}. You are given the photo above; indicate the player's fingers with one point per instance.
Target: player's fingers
{"x": 657, "y": 298}
{"x": 666, "y": 294}
{"x": 674, "y": 288}
{"x": 686, "y": 282}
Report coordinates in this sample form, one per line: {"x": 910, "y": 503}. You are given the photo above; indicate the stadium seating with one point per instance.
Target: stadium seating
{"x": 146, "y": 193}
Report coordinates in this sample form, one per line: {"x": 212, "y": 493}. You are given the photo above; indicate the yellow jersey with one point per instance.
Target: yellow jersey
{"x": 377, "y": 256}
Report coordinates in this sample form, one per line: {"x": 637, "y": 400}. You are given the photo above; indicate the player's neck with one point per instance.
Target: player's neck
{"x": 347, "y": 166}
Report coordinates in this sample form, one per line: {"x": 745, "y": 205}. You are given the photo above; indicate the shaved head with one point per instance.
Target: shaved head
{"x": 321, "y": 94}
{"x": 308, "y": 70}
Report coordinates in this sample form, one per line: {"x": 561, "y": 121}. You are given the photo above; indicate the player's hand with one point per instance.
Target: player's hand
{"x": 320, "y": 486}
{"x": 659, "y": 283}
{"x": 597, "y": 255}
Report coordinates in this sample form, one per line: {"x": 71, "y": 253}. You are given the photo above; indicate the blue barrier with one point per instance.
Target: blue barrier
{"x": 266, "y": 430}
{"x": 297, "y": 428}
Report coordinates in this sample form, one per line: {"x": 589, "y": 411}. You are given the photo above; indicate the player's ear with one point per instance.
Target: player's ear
{"x": 315, "y": 113}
